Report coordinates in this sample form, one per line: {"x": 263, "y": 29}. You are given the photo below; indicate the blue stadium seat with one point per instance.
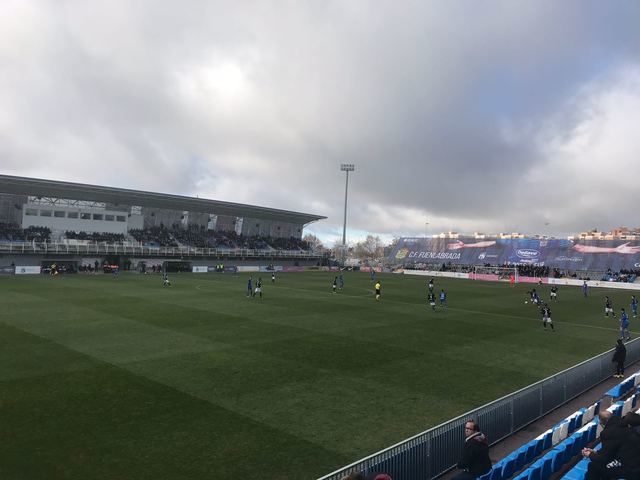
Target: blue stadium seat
{"x": 496, "y": 471}
{"x": 545, "y": 466}
{"x": 521, "y": 457}
{"x": 509, "y": 466}
{"x": 616, "y": 408}
{"x": 572, "y": 424}
{"x": 535, "y": 471}
{"x": 543, "y": 444}
{"x": 557, "y": 457}
{"x": 546, "y": 441}
{"x": 570, "y": 448}
{"x": 531, "y": 450}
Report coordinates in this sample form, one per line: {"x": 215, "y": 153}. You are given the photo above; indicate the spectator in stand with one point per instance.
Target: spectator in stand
{"x": 475, "y": 460}
{"x": 619, "y": 456}
{"x": 619, "y": 356}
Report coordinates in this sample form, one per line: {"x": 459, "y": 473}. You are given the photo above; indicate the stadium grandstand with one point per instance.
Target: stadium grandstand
{"x": 45, "y": 221}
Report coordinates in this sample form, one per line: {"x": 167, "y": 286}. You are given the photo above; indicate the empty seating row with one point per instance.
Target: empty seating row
{"x": 526, "y": 454}
{"x": 579, "y": 471}
{"x": 624, "y": 387}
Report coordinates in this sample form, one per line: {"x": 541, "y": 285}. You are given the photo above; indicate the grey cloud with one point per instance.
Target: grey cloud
{"x": 272, "y": 96}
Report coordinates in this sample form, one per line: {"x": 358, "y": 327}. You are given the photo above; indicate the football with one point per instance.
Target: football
{"x": 526, "y": 301}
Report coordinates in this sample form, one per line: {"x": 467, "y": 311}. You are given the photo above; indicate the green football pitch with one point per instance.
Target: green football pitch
{"x": 120, "y": 378}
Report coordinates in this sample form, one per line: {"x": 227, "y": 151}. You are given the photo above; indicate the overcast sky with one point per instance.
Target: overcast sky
{"x": 472, "y": 116}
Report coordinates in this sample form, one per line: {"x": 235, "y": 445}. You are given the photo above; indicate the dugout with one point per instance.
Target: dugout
{"x": 176, "y": 266}
{"x": 62, "y": 266}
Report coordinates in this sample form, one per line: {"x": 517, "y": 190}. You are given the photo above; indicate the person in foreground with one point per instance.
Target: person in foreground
{"x": 619, "y": 456}
{"x": 475, "y": 460}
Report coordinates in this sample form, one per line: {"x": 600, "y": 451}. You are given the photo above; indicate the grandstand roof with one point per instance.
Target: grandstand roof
{"x": 123, "y": 196}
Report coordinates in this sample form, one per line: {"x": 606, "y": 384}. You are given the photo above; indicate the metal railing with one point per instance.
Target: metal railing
{"x": 139, "y": 250}
{"x": 437, "y": 450}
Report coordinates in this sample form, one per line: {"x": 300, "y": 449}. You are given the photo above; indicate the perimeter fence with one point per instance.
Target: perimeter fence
{"x": 437, "y": 450}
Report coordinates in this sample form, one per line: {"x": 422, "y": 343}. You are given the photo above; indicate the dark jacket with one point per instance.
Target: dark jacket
{"x": 475, "y": 455}
{"x": 620, "y": 354}
{"x": 618, "y": 443}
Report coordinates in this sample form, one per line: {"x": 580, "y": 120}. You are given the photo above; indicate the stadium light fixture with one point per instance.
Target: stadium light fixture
{"x": 345, "y": 167}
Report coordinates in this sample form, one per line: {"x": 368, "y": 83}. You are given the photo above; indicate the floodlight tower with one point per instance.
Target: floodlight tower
{"x": 345, "y": 167}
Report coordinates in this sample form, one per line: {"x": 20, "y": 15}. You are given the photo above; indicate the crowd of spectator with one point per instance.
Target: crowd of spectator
{"x": 529, "y": 270}
{"x": 154, "y": 236}
{"x": 625, "y": 276}
{"x": 198, "y": 236}
{"x": 10, "y": 232}
{"x": 95, "y": 236}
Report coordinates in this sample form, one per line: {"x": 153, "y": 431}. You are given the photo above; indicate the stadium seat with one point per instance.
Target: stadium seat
{"x": 521, "y": 457}
{"x": 616, "y": 408}
{"x": 545, "y": 466}
{"x": 575, "y": 421}
{"x": 496, "y": 471}
{"x": 557, "y": 432}
{"x": 570, "y": 447}
{"x": 547, "y": 439}
{"x": 531, "y": 450}
{"x": 557, "y": 458}
{"x": 564, "y": 429}
{"x": 588, "y": 414}
{"x": 509, "y": 466}
{"x": 626, "y": 406}
{"x": 535, "y": 471}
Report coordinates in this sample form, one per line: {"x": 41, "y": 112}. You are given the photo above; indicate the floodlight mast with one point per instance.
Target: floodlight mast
{"x": 345, "y": 167}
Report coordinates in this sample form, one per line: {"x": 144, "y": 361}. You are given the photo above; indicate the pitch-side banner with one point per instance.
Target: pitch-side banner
{"x": 563, "y": 254}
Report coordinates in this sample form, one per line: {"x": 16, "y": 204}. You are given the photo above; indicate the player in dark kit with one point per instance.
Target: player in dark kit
{"x": 554, "y": 293}
{"x": 430, "y": 286}
{"x": 608, "y": 307}
{"x": 258, "y": 289}
{"x": 335, "y": 284}
{"x": 432, "y": 301}
{"x": 546, "y": 317}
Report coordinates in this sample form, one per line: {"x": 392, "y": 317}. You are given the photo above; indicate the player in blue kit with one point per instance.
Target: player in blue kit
{"x": 443, "y": 299}
{"x": 624, "y": 325}
{"x": 634, "y": 306}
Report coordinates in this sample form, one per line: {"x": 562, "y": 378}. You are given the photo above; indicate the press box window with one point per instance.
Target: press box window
{"x": 85, "y": 216}
{"x": 120, "y": 218}
{"x": 97, "y": 216}
{"x": 45, "y": 213}
{"x": 108, "y": 218}
{"x": 59, "y": 214}
{"x": 31, "y": 212}
{"x": 72, "y": 214}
